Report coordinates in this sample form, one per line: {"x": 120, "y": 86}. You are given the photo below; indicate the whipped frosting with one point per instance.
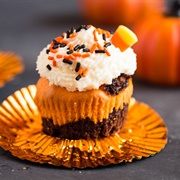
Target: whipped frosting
{"x": 84, "y": 59}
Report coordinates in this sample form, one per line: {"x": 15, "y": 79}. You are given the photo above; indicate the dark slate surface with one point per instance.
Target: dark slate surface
{"x": 25, "y": 28}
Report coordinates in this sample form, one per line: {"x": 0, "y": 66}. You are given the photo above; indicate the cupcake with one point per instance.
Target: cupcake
{"x": 85, "y": 83}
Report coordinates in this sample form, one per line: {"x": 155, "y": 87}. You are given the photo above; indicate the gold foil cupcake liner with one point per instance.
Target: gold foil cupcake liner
{"x": 144, "y": 134}
{"x": 10, "y": 65}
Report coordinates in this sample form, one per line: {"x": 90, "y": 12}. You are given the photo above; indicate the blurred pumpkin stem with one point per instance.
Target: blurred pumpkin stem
{"x": 174, "y": 8}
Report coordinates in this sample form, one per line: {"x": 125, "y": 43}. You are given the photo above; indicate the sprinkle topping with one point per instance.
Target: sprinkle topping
{"x": 104, "y": 36}
{"x": 70, "y": 52}
{"x": 83, "y": 58}
{"x": 78, "y": 77}
{"x": 107, "y": 44}
{"x": 48, "y": 67}
{"x": 78, "y": 65}
{"x": 86, "y": 50}
{"x": 67, "y": 61}
{"x": 62, "y": 41}
{"x": 77, "y": 47}
{"x": 47, "y": 51}
{"x": 100, "y": 51}
{"x": 62, "y": 45}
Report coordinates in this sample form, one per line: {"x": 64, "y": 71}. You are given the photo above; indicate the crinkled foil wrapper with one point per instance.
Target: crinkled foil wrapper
{"x": 10, "y": 65}
{"x": 144, "y": 134}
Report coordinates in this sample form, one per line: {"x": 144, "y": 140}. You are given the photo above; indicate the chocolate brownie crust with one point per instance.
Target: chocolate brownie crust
{"x": 117, "y": 85}
{"x": 85, "y": 128}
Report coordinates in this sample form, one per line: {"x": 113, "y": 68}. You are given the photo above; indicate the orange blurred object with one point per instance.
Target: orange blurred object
{"x": 10, "y": 65}
{"x": 158, "y": 49}
{"x": 115, "y": 12}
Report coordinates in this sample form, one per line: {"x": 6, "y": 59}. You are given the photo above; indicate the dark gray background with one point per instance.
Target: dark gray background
{"x": 26, "y": 27}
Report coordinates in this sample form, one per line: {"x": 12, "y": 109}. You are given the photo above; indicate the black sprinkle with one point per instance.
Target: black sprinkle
{"x": 86, "y": 50}
{"x": 77, "y": 66}
{"x": 67, "y": 61}
{"x": 67, "y": 34}
{"x": 49, "y": 67}
{"x": 104, "y": 37}
{"x": 82, "y": 27}
{"x": 85, "y": 27}
{"x": 55, "y": 42}
{"x": 78, "y": 77}
{"x": 78, "y": 29}
{"x": 62, "y": 45}
{"x": 107, "y": 44}
{"x": 72, "y": 30}
{"x": 100, "y": 51}
{"x": 82, "y": 46}
{"x": 69, "y": 52}
{"x": 55, "y": 46}
{"x": 47, "y": 51}
{"x": 76, "y": 47}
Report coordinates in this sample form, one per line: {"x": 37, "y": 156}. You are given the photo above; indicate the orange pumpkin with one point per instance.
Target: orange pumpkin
{"x": 158, "y": 49}
{"x": 115, "y": 12}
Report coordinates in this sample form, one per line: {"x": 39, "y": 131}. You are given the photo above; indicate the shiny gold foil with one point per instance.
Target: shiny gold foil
{"x": 10, "y": 65}
{"x": 143, "y": 135}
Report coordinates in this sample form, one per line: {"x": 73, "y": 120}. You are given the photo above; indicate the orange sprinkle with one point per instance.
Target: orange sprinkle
{"x": 72, "y": 35}
{"x": 107, "y": 52}
{"x": 100, "y": 31}
{"x": 53, "y": 50}
{"x": 85, "y": 71}
{"x": 59, "y": 56}
{"x": 93, "y": 48}
{"x": 76, "y": 54}
{"x": 80, "y": 71}
{"x": 50, "y": 58}
{"x": 58, "y": 39}
{"x": 72, "y": 57}
{"x": 71, "y": 47}
{"x": 99, "y": 46}
{"x": 94, "y": 33}
{"x": 51, "y": 45}
{"x": 64, "y": 41}
{"x": 85, "y": 55}
{"x": 66, "y": 56}
{"x": 108, "y": 34}
{"x": 54, "y": 63}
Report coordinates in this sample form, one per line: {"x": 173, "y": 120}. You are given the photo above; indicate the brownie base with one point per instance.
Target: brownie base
{"x": 117, "y": 85}
{"x": 85, "y": 128}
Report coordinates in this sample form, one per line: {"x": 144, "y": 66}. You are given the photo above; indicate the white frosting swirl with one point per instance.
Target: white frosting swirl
{"x": 101, "y": 68}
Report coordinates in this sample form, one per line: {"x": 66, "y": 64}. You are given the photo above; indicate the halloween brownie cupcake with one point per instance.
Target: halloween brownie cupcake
{"x": 86, "y": 85}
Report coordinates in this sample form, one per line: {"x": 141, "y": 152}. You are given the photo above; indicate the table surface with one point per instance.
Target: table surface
{"x": 26, "y": 27}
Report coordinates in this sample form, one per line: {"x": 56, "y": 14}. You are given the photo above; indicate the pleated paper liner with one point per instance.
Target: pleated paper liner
{"x": 10, "y": 65}
{"x": 143, "y": 135}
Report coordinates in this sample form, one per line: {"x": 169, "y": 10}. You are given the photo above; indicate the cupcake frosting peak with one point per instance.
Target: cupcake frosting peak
{"x": 83, "y": 59}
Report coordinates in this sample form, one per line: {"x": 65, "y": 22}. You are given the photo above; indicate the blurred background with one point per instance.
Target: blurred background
{"x": 26, "y": 27}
